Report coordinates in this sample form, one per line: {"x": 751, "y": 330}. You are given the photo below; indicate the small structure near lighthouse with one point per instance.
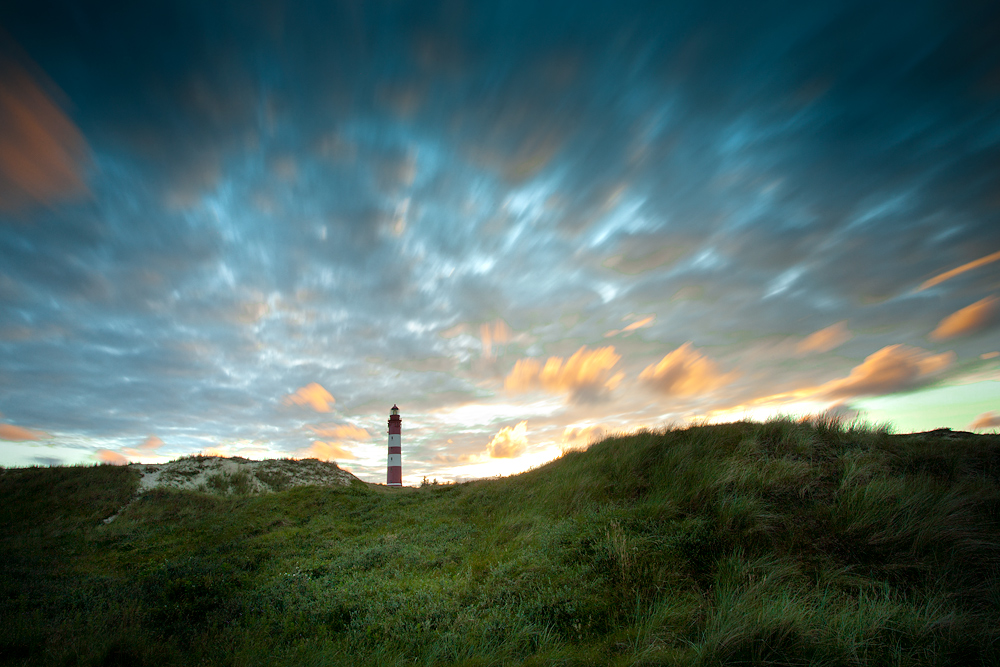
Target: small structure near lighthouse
{"x": 394, "y": 466}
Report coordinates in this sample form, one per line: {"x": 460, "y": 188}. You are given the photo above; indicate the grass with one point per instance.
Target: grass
{"x": 777, "y": 543}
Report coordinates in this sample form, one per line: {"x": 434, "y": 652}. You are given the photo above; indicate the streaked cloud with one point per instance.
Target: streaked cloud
{"x": 986, "y": 420}
{"x": 145, "y": 448}
{"x": 496, "y": 333}
{"x": 150, "y": 444}
{"x": 684, "y": 372}
{"x": 326, "y": 451}
{"x": 968, "y": 320}
{"x": 42, "y": 152}
{"x": 313, "y": 395}
{"x": 948, "y": 275}
{"x": 579, "y": 437}
{"x": 340, "y": 431}
{"x": 19, "y": 433}
{"x": 639, "y": 324}
{"x": 510, "y": 442}
{"x": 892, "y": 369}
{"x": 586, "y": 376}
{"x": 112, "y": 457}
{"x": 826, "y": 339}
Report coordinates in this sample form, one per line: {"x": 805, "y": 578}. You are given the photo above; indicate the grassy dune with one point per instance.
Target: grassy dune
{"x": 778, "y": 543}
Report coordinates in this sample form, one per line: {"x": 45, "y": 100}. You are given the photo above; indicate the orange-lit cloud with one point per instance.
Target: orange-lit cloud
{"x": 499, "y": 332}
{"x": 684, "y": 372}
{"x": 108, "y": 456}
{"x": 340, "y": 432}
{"x": 891, "y": 369}
{"x": 326, "y": 451}
{"x": 150, "y": 444}
{"x": 826, "y": 339}
{"x": 510, "y": 442}
{"x": 645, "y": 322}
{"x": 968, "y": 320}
{"x": 989, "y": 355}
{"x": 18, "y": 433}
{"x": 975, "y": 264}
{"x": 314, "y": 395}
{"x": 582, "y": 436}
{"x": 986, "y": 420}
{"x": 586, "y": 375}
{"x": 41, "y": 151}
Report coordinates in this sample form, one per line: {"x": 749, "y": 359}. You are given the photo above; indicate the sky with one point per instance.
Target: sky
{"x": 251, "y": 228}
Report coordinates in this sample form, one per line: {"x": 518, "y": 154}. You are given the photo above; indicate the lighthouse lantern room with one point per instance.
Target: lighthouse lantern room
{"x": 394, "y": 466}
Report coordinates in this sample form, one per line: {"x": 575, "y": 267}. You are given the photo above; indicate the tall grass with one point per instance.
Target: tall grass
{"x": 788, "y": 543}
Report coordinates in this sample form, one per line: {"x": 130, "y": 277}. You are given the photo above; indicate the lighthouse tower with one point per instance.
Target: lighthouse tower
{"x": 394, "y": 467}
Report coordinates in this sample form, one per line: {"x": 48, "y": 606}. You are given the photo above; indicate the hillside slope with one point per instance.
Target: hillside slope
{"x": 777, "y": 543}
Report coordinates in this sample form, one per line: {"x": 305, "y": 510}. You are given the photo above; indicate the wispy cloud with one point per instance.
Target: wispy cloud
{"x": 340, "y": 432}
{"x": 313, "y": 395}
{"x": 586, "y": 376}
{"x": 578, "y": 437}
{"x": 968, "y": 320}
{"x": 490, "y": 334}
{"x": 19, "y": 433}
{"x": 644, "y": 322}
{"x": 986, "y": 420}
{"x": 42, "y": 153}
{"x": 145, "y": 448}
{"x": 826, "y": 339}
{"x": 948, "y": 275}
{"x": 326, "y": 451}
{"x": 685, "y": 372}
{"x": 892, "y": 369}
{"x": 112, "y": 457}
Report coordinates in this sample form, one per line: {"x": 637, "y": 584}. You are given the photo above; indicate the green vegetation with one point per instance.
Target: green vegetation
{"x": 778, "y": 543}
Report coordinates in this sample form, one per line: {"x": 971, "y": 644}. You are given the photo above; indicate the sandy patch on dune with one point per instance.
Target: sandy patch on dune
{"x": 215, "y": 474}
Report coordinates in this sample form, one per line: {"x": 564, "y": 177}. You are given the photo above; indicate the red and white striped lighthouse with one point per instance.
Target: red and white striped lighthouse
{"x": 394, "y": 467}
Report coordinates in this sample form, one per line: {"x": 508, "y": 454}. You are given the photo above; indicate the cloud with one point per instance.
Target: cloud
{"x": 975, "y": 264}
{"x": 580, "y": 437}
{"x": 314, "y": 395}
{"x": 340, "y": 432}
{"x": 826, "y": 339}
{"x": 684, "y": 372}
{"x": 892, "y": 369}
{"x": 498, "y": 333}
{"x": 114, "y": 458}
{"x": 968, "y": 320}
{"x": 586, "y": 375}
{"x": 326, "y": 451}
{"x": 41, "y": 150}
{"x": 509, "y": 442}
{"x": 645, "y": 322}
{"x": 18, "y": 433}
{"x": 989, "y": 355}
{"x": 150, "y": 444}
{"x": 986, "y": 420}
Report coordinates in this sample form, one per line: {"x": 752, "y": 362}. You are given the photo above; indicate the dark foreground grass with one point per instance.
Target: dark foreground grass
{"x": 778, "y": 543}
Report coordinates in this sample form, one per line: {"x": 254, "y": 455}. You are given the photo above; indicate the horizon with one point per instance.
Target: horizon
{"x": 250, "y": 231}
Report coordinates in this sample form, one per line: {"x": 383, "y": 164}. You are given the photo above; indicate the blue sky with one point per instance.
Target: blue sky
{"x": 251, "y": 228}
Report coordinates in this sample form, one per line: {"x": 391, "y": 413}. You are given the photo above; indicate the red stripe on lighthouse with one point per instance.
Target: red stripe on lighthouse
{"x": 394, "y": 464}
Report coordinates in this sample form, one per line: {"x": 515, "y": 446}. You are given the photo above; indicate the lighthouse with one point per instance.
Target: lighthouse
{"x": 394, "y": 466}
